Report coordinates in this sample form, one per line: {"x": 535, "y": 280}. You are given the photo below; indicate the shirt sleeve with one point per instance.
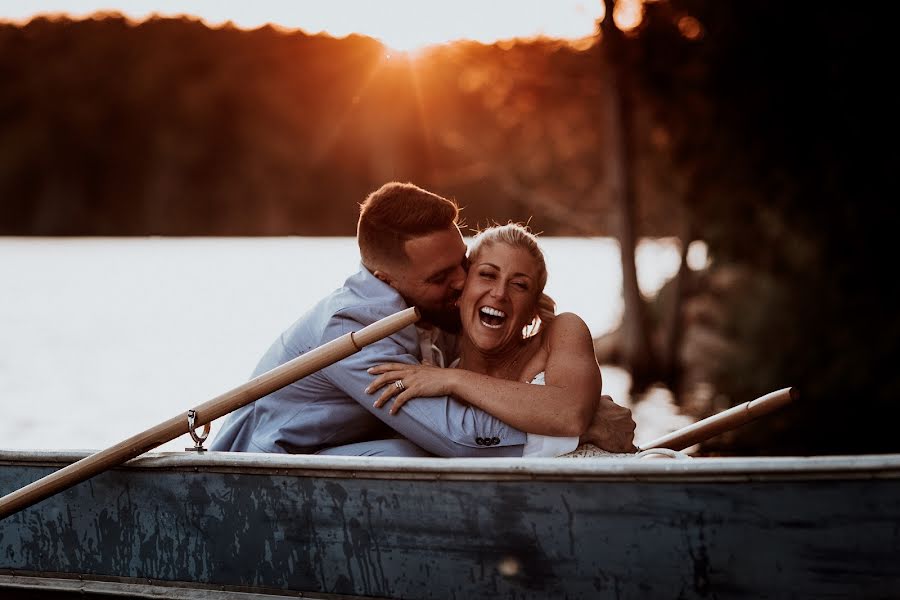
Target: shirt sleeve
{"x": 441, "y": 425}
{"x": 548, "y": 446}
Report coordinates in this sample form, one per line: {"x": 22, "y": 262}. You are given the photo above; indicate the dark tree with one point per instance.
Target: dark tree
{"x": 781, "y": 115}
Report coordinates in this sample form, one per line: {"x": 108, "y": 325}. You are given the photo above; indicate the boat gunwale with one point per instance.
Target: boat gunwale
{"x": 141, "y": 587}
{"x": 876, "y": 466}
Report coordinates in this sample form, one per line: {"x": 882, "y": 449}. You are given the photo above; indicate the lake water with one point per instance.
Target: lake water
{"x": 101, "y": 338}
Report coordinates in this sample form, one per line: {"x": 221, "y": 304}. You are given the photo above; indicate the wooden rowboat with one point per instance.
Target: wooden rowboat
{"x": 229, "y": 525}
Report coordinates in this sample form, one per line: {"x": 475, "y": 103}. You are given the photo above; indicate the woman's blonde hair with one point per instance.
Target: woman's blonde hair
{"x": 518, "y": 235}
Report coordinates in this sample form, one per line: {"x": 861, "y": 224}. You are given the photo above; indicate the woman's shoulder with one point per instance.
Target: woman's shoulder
{"x": 567, "y": 324}
{"x": 567, "y": 332}
{"x": 568, "y": 318}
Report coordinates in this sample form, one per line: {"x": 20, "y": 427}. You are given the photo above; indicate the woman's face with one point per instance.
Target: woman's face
{"x": 500, "y": 297}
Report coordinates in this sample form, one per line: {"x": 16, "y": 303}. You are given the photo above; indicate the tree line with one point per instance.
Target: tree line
{"x": 170, "y": 127}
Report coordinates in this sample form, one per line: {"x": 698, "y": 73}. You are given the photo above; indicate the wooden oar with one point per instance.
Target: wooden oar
{"x": 219, "y": 406}
{"x": 724, "y": 421}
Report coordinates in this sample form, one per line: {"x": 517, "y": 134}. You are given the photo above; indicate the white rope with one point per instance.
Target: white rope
{"x": 663, "y": 452}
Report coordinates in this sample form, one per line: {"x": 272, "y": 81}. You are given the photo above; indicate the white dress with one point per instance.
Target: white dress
{"x": 583, "y": 450}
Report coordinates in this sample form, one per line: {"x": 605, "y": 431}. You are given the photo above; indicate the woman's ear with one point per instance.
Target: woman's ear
{"x": 531, "y": 328}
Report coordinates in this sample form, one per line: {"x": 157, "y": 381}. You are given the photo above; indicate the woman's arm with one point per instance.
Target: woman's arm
{"x": 564, "y": 406}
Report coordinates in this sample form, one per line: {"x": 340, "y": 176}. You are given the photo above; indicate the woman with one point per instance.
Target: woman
{"x": 511, "y": 339}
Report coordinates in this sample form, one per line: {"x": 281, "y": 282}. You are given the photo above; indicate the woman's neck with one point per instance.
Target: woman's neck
{"x": 505, "y": 364}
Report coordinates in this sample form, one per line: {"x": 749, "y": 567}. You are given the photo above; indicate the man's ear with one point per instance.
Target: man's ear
{"x": 385, "y": 278}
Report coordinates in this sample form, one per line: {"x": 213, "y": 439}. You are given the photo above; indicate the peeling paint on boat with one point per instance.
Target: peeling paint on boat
{"x": 420, "y": 528}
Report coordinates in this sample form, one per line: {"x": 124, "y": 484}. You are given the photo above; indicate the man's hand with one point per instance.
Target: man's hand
{"x": 612, "y": 428}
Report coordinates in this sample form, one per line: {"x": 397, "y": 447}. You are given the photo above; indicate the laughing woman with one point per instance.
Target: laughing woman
{"x": 511, "y": 340}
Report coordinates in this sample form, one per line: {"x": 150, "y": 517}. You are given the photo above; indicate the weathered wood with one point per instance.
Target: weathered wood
{"x": 219, "y": 406}
{"x": 469, "y": 528}
{"x": 724, "y": 421}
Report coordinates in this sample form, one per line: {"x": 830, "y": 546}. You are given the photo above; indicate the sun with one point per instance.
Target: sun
{"x": 406, "y": 43}
{"x": 411, "y": 25}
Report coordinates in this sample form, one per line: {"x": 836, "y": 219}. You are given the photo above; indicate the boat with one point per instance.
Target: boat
{"x": 233, "y": 525}
{"x": 126, "y": 522}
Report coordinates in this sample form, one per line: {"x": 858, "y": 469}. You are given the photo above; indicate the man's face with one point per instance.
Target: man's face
{"x": 433, "y": 276}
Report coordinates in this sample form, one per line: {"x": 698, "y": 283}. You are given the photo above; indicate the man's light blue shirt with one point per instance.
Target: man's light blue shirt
{"x": 330, "y": 407}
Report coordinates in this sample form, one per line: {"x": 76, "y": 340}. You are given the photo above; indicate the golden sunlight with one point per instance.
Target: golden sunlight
{"x": 399, "y": 24}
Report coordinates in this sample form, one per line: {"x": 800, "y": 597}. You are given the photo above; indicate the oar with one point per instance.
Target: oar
{"x": 724, "y": 421}
{"x": 219, "y": 406}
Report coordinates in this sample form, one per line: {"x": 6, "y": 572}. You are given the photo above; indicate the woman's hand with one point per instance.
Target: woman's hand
{"x": 418, "y": 381}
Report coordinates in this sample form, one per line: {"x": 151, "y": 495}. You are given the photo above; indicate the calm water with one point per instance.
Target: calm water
{"x": 101, "y": 338}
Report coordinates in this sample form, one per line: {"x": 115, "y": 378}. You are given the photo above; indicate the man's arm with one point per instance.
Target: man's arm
{"x": 442, "y": 425}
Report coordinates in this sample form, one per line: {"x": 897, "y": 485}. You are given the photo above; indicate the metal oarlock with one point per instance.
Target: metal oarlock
{"x": 198, "y": 438}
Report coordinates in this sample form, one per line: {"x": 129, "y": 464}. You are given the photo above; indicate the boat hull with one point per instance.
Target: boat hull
{"x": 426, "y": 528}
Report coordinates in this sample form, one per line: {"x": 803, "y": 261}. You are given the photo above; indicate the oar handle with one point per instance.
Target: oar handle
{"x": 211, "y": 410}
{"x": 300, "y": 367}
{"x": 724, "y": 421}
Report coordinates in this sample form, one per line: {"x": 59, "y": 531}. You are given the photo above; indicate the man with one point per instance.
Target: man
{"x": 412, "y": 255}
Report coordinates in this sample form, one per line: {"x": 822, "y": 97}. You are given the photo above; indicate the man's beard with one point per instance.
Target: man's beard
{"x": 447, "y": 319}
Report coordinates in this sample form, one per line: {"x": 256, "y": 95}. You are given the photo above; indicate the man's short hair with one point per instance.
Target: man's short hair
{"x": 397, "y": 212}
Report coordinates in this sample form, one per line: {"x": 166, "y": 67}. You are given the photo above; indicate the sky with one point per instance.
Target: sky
{"x": 400, "y": 24}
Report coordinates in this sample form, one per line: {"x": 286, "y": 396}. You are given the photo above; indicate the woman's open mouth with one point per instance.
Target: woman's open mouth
{"x": 491, "y": 317}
